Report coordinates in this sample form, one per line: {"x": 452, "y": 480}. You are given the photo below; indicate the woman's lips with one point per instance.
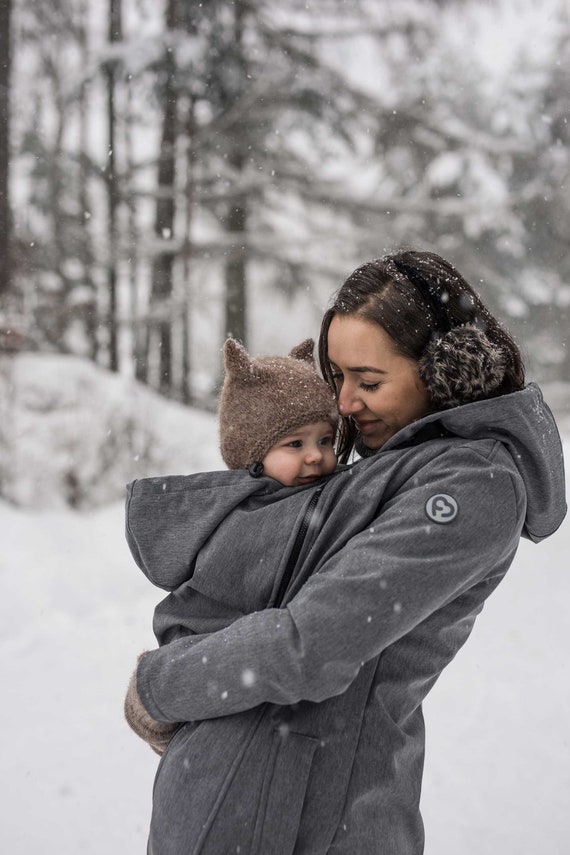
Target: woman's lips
{"x": 366, "y": 427}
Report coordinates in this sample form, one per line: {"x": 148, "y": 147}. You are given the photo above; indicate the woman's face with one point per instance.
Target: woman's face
{"x": 377, "y": 387}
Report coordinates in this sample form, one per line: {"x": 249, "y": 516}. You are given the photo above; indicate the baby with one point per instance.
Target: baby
{"x": 277, "y": 416}
{"x": 217, "y": 540}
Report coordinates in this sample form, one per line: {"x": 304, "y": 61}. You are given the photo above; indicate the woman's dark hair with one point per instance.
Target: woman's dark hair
{"x": 414, "y": 297}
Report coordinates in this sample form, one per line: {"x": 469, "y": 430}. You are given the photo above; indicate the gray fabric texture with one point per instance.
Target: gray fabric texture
{"x": 305, "y": 732}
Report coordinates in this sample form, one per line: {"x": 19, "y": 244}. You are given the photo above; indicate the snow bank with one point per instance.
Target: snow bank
{"x": 74, "y": 433}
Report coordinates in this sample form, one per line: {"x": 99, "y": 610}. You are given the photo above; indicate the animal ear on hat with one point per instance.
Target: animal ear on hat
{"x": 237, "y": 360}
{"x": 304, "y": 351}
{"x": 461, "y": 367}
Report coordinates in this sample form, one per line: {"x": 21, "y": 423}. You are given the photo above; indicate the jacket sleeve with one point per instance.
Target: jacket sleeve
{"x": 455, "y": 523}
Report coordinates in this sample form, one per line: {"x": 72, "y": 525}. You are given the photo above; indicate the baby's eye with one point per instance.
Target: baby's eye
{"x": 326, "y": 440}
{"x": 369, "y": 387}
{"x": 295, "y": 443}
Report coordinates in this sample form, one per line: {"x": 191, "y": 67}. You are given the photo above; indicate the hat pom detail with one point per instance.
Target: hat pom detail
{"x": 462, "y": 366}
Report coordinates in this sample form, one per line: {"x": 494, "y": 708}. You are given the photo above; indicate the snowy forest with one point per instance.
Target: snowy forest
{"x": 172, "y": 163}
{"x": 174, "y": 171}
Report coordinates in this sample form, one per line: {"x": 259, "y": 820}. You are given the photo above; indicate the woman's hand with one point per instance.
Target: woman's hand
{"x": 158, "y": 734}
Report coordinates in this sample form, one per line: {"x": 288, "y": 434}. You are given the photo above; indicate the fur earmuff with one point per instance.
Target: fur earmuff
{"x": 461, "y": 366}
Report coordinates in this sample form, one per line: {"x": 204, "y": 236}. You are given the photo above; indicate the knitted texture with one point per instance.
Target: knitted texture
{"x": 263, "y": 400}
{"x": 156, "y": 733}
{"x": 461, "y": 366}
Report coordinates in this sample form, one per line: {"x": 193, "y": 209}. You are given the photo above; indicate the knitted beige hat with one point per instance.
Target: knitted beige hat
{"x": 265, "y": 399}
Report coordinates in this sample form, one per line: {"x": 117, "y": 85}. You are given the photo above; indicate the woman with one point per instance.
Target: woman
{"x": 320, "y": 749}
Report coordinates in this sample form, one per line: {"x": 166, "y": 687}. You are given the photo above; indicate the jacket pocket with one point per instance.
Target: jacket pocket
{"x": 231, "y": 785}
{"x": 261, "y": 809}
{"x": 283, "y": 793}
{"x": 193, "y": 777}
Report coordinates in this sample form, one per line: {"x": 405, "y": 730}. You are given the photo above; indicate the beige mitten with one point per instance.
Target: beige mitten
{"x": 156, "y": 733}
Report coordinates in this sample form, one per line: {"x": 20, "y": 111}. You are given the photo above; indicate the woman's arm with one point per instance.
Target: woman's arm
{"x": 386, "y": 581}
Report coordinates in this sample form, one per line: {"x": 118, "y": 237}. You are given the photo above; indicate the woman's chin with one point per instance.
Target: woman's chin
{"x": 372, "y": 443}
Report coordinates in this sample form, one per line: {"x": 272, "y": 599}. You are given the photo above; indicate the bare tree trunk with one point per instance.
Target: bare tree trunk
{"x": 134, "y": 238}
{"x": 5, "y": 217}
{"x": 235, "y": 274}
{"x": 59, "y": 328}
{"x": 236, "y": 220}
{"x": 189, "y": 190}
{"x": 115, "y": 35}
{"x": 87, "y": 254}
{"x": 162, "y": 280}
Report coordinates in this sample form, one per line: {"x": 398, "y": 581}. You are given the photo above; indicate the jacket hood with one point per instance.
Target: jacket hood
{"x": 168, "y": 520}
{"x": 524, "y": 424}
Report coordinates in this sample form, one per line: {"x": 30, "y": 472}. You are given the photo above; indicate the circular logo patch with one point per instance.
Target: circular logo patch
{"x": 441, "y": 508}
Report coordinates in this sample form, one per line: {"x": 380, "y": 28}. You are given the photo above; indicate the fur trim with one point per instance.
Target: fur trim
{"x": 462, "y": 366}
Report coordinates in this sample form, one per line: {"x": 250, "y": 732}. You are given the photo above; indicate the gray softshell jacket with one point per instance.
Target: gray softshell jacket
{"x": 305, "y": 732}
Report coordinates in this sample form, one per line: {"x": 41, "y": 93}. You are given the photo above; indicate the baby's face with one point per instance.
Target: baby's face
{"x": 303, "y": 456}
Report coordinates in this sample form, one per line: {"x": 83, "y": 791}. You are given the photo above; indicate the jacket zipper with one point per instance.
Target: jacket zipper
{"x": 297, "y": 546}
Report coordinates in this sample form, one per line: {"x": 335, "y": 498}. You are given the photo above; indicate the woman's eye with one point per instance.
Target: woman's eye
{"x": 369, "y": 387}
{"x": 336, "y": 376}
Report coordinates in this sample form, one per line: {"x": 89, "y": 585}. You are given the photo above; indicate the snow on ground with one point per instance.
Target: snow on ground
{"x": 75, "y": 612}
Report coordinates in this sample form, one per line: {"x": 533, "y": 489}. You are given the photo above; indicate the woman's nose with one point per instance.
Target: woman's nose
{"x": 348, "y": 402}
